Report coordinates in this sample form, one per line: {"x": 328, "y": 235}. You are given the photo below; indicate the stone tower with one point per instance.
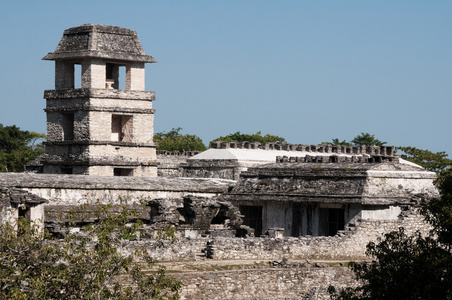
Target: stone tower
{"x": 104, "y": 126}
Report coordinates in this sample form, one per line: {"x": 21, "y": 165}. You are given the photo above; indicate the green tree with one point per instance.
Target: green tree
{"x": 173, "y": 140}
{"x": 88, "y": 265}
{"x": 410, "y": 267}
{"x": 256, "y": 137}
{"x": 366, "y": 139}
{"x": 17, "y": 147}
{"x": 337, "y": 142}
{"x": 435, "y": 162}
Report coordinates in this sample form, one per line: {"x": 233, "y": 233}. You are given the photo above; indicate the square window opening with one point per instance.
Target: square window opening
{"x": 121, "y": 128}
{"x": 115, "y": 76}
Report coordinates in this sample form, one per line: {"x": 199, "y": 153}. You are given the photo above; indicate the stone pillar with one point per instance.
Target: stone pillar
{"x": 64, "y": 75}
{"x": 135, "y": 76}
{"x": 93, "y": 74}
{"x": 37, "y": 216}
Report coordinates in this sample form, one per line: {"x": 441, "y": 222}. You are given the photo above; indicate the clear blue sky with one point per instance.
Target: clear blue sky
{"x": 307, "y": 70}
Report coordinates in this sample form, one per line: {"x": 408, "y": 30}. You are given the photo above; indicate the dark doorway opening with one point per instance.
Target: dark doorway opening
{"x": 297, "y": 220}
{"x": 335, "y": 220}
{"x": 252, "y": 218}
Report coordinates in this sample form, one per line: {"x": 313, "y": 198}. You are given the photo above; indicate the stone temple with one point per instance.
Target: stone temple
{"x": 236, "y": 206}
{"x": 99, "y": 128}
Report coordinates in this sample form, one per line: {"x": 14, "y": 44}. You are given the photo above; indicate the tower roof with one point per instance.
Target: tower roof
{"x": 100, "y": 41}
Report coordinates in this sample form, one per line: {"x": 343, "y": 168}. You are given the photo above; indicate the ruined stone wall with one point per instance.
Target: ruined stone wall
{"x": 322, "y": 148}
{"x": 74, "y": 196}
{"x": 383, "y": 186}
{"x": 205, "y": 168}
{"x": 294, "y": 283}
{"x": 168, "y": 250}
{"x": 346, "y": 245}
{"x": 170, "y": 162}
{"x": 140, "y": 171}
{"x": 80, "y": 189}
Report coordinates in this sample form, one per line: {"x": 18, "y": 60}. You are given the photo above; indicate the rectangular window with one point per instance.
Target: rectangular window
{"x": 24, "y": 211}
{"x": 122, "y": 172}
{"x": 77, "y": 76}
{"x": 115, "y": 76}
{"x": 252, "y": 218}
{"x": 121, "y": 128}
{"x": 68, "y": 126}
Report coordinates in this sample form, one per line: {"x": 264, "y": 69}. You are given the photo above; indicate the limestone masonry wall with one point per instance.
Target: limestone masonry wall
{"x": 293, "y": 283}
{"x": 346, "y": 245}
{"x": 80, "y": 189}
{"x": 322, "y": 148}
{"x": 184, "y": 249}
{"x": 169, "y": 162}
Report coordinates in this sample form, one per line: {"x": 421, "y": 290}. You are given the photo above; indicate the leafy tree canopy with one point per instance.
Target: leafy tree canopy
{"x": 436, "y": 162}
{"x": 410, "y": 267}
{"x": 366, "y": 139}
{"x": 174, "y": 140}
{"x": 257, "y": 137}
{"x": 338, "y": 142}
{"x": 17, "y": 147}
{"x": 86, "y": 265}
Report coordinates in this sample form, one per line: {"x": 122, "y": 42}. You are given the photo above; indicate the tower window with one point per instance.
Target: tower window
{"x": 121, "y": 128}
{"x": 77, "y": 79}
{"x": 68, "y": 126}
{"x": 115, "y": 76}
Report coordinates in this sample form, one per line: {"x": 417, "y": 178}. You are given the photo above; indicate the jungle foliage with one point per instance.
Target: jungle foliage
{"x": 363, "y": 138}
{"x": 84, "y": 265}
{"x": 174, "y": 140}
{"x": 410, "y": 267}
{"x": 17, "y": 147}
{"x": 432, "y": 161}
{"x": 256, "y": 137}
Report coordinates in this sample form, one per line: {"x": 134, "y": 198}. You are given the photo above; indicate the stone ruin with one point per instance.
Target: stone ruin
{"x": 289, "y": 204}
{"x": 228, "y": 159}
{"x": 101, "y": 127}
